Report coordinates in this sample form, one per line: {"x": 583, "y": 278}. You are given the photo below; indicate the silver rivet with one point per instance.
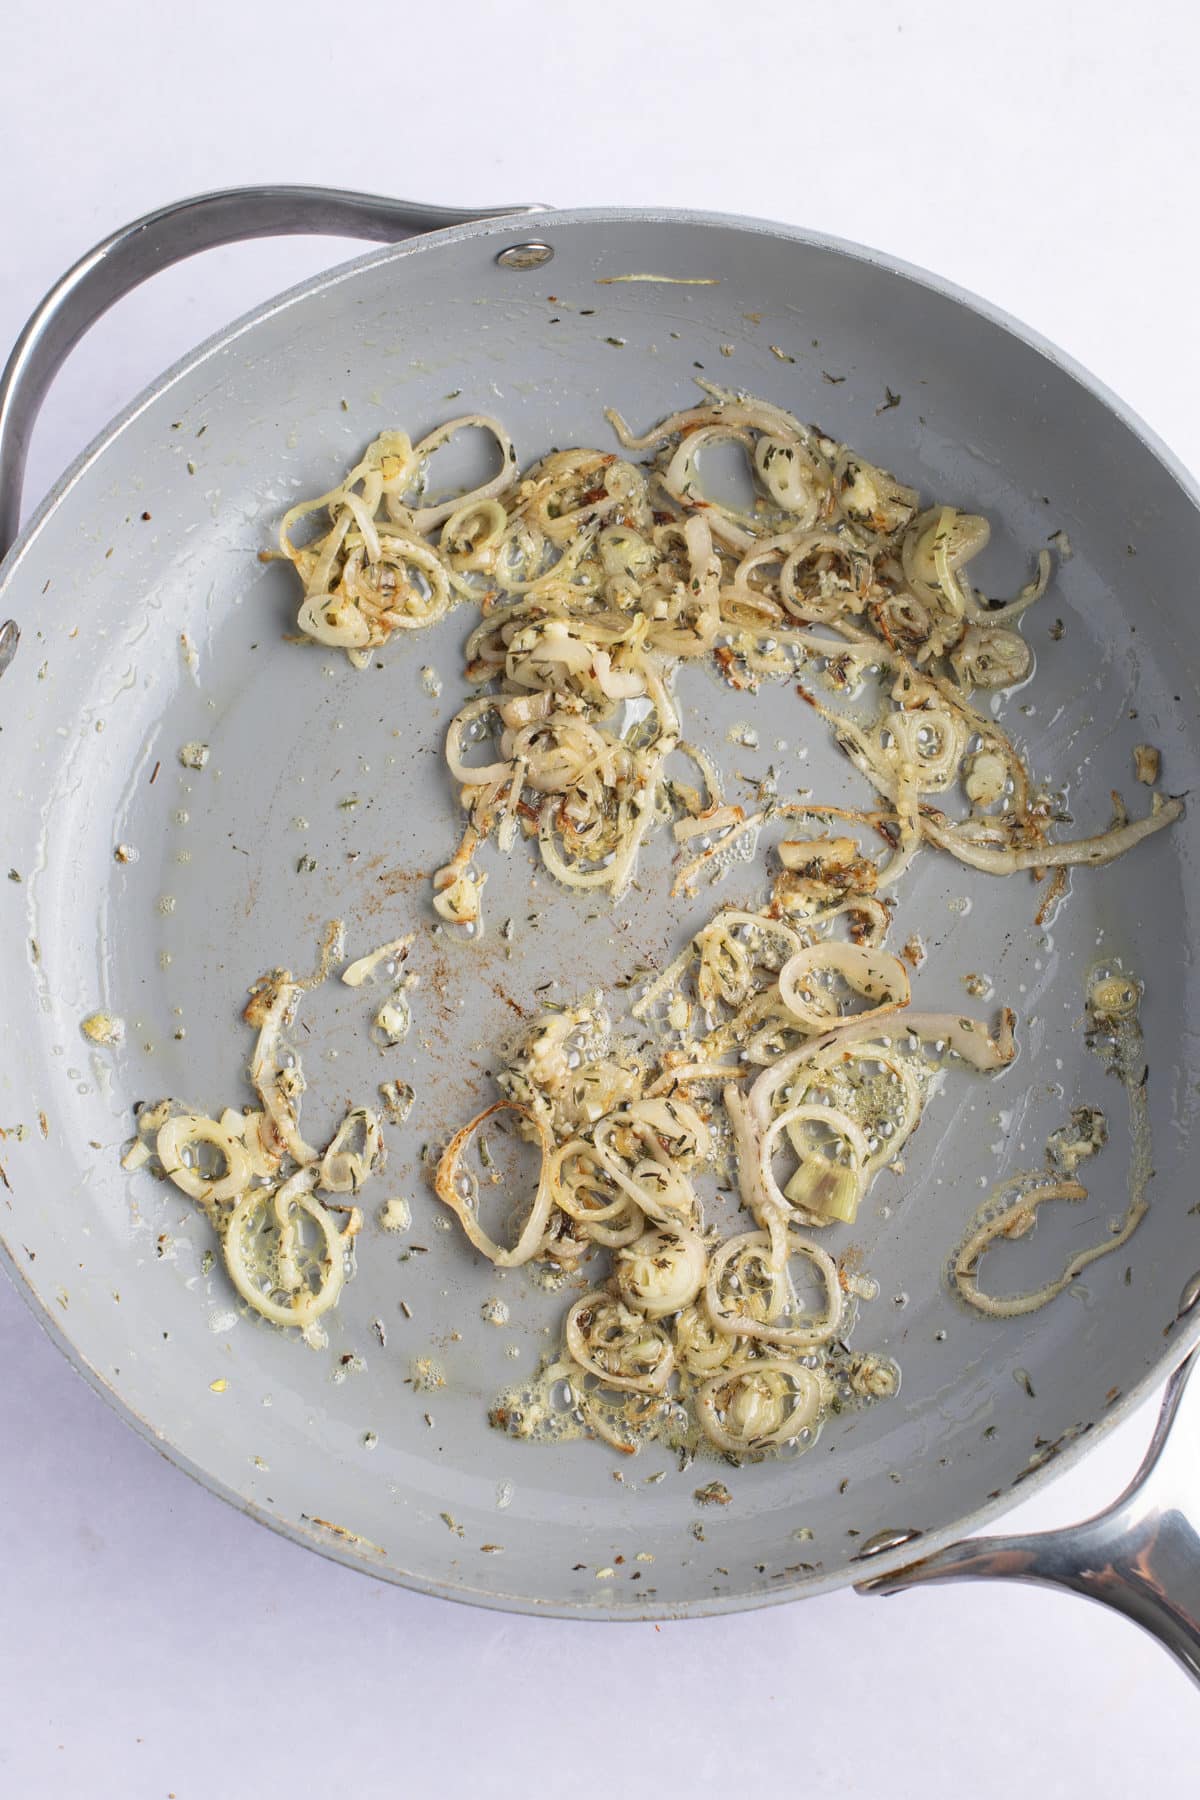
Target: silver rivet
{"x": 10, "y": 637}
{"x": 525, "y": 256}
{"x": 886, "y": 1540}
{"x": 1190, "y": 1296}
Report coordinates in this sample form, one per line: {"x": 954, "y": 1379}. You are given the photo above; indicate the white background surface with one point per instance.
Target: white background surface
{"x": 1043, "y": 154}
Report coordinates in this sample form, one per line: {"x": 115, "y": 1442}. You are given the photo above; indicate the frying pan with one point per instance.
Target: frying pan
{"x": 155, "y": 531}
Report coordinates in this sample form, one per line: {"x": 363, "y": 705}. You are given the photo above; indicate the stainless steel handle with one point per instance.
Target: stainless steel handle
{"x": 129, "y": 256}
{"x": 1141, "y": 1555}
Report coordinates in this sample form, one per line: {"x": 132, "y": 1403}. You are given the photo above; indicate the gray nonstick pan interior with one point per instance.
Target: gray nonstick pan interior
{"x": 156, "y": 532}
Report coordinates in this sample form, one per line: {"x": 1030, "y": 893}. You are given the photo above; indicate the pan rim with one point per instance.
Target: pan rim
{"x": 1184, "y": 1337}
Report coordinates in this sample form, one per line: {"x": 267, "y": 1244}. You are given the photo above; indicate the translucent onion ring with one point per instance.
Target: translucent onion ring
{"x": 529, "y": 1242}
{"x": 569, "y": 1189}
{"x": 1105, "y": 847}
{"x": 473, "y": 548}
{"x": 627, "y": 1225}
{"x": 787, "y": 1387}
{"x": 794, "y": 479}
{"x": 875, "y": 974}
{"x": 966, "y": 1037}
{"x": 817, "y": 609}
{"x": 589, "y": 1314}
{"x": 186, "y": 1129}
{"x": 727, "y": 409}
{"x": 424, "y": 518}
{"x": 933, "y": 773}
{"x": 804, "y": 1336}
{"x": 700, "y": 1349}
{"x": 472, "y": 774}
{"x": 411, "y": 611}
{"x": 343, "y": 1168}
{"x": 662, "y": 1192}
{"x": 1013, "y": 1221}
{"x": 269, "y": 1078}
{"x": 335, "y": 620}
{"x": 732, "y": 527}
{"x": 304, "y": 1305}
{"x": 834, "y": 1120}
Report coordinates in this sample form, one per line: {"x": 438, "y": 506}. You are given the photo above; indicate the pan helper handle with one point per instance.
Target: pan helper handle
{"x": 1141, "y": 1555}
{"x": 126, "y": 258}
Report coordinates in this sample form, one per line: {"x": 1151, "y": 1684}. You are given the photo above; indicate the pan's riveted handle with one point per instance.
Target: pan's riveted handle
{"x": 126, "y": 258}
{"x": 1141, "y": 1555}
